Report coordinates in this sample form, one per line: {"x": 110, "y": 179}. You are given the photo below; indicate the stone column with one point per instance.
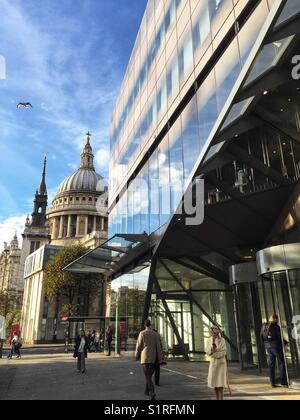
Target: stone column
{"x": 102, "y": 224}
{"x": 77, "y": 226}
{"x": 86, "y": 225}
{"x": 54, "y": 228}
{"x": 95, "y": 223}
{"x": 69, "y": 227}
{"x": 61, "y": 226}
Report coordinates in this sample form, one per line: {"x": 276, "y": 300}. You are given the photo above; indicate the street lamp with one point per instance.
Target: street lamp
{"x": 117, "y": 341}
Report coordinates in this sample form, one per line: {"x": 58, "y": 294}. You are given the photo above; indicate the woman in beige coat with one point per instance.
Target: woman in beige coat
{"x": 217, "y": 376}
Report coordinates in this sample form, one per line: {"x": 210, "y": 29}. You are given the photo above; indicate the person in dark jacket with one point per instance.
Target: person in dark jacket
{"x": 272, "y": 339}
{"x": 109, "y": 339}
{"x": 81, "y": 349}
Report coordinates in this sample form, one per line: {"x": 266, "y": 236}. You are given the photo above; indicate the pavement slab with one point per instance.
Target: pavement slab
{"x": 50, "y": 374}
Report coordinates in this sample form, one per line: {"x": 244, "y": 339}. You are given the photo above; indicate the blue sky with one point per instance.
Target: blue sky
{"x": 68, "y": 58}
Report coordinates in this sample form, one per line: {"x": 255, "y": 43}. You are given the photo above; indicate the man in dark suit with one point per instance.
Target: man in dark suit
{"x": 272, "y": 338}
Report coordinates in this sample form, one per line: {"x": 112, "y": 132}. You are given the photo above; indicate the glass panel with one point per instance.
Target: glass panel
{"x": 207, "y": 107}
{"x": 249, "y": 32}
{"x": 176, "y": 164}
{"x": 247, "y": 327}
{"x": 219, "y": 11}
{"x": 154, "y": 191}
{"x": 237, "y": 111}
{"x": 227, "y": 71}
{"x": 268, "y": 58}
{"x": 201, "y": 30}
{"x": 164, "y": 181}
{"x": 173, "y": 78}
{"x": 185, "y": 59}
{"x": 291, "y": 8}
{"x": 125, "y": 304}
{"x": 190, "y": 137}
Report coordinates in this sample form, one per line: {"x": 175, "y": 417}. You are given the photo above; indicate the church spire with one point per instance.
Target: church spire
{"x": 87, "y": 157}
{"x": 38, "y": 218}
{"x": 42, "y": 187}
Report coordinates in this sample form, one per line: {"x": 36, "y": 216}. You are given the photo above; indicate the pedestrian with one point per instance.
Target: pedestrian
{"x": 102, "y": 340}
{"x": 158, "y": 365}
{"x": 274, "y": 344}
{"x": 109, "y": 339}
{"x": 97, "y": 341}
{"x": 15, "y": 346}
{"x": 81, "y": 349}
{"x": 218, "y": 374}
{"x": 149, "y": 351}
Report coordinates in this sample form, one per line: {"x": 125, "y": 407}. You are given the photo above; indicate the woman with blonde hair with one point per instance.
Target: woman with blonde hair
{"x": 216, "y": 350}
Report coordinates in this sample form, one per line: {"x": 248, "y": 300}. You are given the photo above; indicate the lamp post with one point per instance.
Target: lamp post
{"x": 117, "y": 341}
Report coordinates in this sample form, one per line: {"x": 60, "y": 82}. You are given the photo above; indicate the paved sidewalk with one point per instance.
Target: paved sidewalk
{"x": 50, "y": 374}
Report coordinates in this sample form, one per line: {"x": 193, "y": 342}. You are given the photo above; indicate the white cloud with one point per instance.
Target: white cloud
{"x": 102, "y": 160}
{"x": 8, "y": 228}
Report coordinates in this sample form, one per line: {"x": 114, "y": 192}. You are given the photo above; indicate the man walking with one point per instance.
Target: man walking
{"x": 272, "y": 339}
{"x": 149, "y": 351}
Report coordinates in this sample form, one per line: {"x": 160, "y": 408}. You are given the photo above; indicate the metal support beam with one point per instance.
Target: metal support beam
{"x": 217, "y": 272}
{"x": 207, "y": 269}
{"x": 274, "y": 123}
{"x": 171, "y": 319}
{"x": 235, "y": 194}
{"x": 255, "y": 163}
{"x": 233, "y": 258}
{"x": 149, "y": 291}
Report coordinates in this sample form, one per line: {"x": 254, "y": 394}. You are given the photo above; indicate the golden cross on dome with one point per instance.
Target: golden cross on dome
{"x": 88, "y": 136}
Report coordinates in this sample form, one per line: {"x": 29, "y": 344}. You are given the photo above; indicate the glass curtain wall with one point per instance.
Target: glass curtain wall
{"x": 176, "y": 156}
{"x": 125, "y": 305}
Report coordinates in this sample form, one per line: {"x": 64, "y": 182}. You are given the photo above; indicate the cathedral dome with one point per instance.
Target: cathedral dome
{"x": 83, "y": 180}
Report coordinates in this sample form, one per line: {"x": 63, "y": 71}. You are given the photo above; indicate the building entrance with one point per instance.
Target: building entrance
{"x": 181, "y": 313}
{"x": 271, "y": 285}
{"x": 280, "y": 293}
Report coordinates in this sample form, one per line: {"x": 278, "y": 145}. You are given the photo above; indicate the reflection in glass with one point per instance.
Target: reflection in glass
{"x": 176, "y": 164}
{"x": 190, "y": 137}
{"x": 227, "y": 71}
{"x": 207, "y": 107}
{"x": 164, "y": 181}
{"x": 268, "y": 58}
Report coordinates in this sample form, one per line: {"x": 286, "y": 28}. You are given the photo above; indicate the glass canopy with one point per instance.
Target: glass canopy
{"x": 110, "y": 256}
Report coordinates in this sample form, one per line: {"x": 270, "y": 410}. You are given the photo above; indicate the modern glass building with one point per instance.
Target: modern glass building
{"x": 211, "y": 93}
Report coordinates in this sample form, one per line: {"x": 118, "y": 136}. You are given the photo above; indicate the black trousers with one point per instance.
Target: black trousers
{"x": 109, "y": 347}
{"x": 157, "y": 373}
{"x": 273, "y": 355}
{"x": 149, "y": 369}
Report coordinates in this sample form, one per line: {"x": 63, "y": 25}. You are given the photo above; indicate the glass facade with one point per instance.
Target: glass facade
{"x": 176, "y": 155}
{"x": 193, "y": 104}
{"x": 125, "y": 305}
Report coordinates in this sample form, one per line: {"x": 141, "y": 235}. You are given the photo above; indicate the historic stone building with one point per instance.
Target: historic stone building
{"x": 9, "y": 274}
{"x": 78, "y": 215}
{"x": 36, "y": 233}
{"x": 79, "y": 209}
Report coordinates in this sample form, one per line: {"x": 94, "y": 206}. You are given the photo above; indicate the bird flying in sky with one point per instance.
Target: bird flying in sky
{"x": 24, "y": 105}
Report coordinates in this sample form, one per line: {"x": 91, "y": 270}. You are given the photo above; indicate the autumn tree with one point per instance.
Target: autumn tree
{"x": 5, "y": 301}
{"x": 75, "y": 289}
